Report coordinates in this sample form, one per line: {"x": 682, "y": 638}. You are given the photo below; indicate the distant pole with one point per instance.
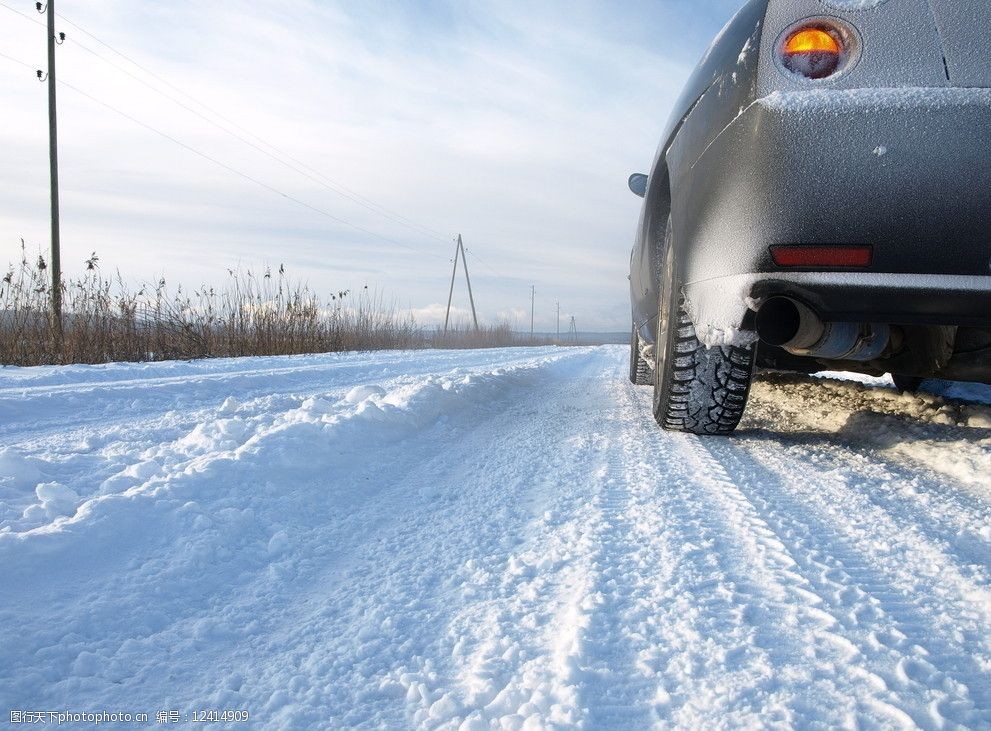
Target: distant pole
{"x": 471, "y": 298}
{"x": 450, "y": 294}
{"x": 573, "y": 331}
{"x": 533, "y": 292}
{"x": 559, "y": 320}
{"x": 56, "y": 261}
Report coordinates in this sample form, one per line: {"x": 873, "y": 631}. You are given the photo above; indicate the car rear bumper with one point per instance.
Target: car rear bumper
{"x": 905, "y": 171}
{"x": 926, "y": 299}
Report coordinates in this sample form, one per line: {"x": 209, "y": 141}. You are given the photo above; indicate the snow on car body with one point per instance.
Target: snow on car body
{"x": 823, "y": 188}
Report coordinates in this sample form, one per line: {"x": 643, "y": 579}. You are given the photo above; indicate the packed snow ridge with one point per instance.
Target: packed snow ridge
{"x": 489, "y": 540}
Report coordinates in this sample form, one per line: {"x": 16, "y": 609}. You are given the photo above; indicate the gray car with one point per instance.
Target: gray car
{"x": 821, "y": 200}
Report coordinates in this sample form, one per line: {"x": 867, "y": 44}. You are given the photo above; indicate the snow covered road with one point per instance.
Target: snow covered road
{"x": 489, "y": 539}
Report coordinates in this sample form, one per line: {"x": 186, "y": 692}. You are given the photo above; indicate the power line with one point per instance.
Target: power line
{"x": 34, "y": 69}
{"x": 482, "y": 262}
{"x": 22, "y": 14}
{"x": 294, "y": 164}
{"x": 222, "y": 164}
{"x": 243, "y": 139}
{"x": 237, "y": 172}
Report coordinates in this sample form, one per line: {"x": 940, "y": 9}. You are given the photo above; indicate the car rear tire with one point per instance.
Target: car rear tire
{"x": 697, "y": 389}
{"x": 640, "y": 370}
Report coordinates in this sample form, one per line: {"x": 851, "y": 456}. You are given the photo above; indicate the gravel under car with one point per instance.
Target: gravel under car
{"x": 821, "y": 200}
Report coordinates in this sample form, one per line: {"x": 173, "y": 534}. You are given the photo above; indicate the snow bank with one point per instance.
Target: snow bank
{"x": 138, "y": 540}
{"x": 922, "y": 428}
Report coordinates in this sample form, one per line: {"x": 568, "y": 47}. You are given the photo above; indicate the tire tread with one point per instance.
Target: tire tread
{"x": 641, "y": 374}
{"x": 708, "y": 386}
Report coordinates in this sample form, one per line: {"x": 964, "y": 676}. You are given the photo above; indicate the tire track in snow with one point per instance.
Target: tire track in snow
{"x": 676, "y": 642}
{"x": 918, "y": 497}
{"x": 730, "y": 640}
{"x": 719, "y": 626}
{"x": 613, "y": 688}
{"x": 915, "y": 500}
{"x": 944, "y": 528}
{"x": 883, "y": 600}
{"x": 519, "y": 637}
{"x": 515, "y": 642}
{"x": 444, "y": 625}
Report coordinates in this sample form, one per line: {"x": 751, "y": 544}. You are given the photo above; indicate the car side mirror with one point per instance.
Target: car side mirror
{"x": 638, "y": 184}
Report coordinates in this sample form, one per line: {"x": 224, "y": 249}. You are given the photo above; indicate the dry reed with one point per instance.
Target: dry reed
{"x": 263, "y": 313}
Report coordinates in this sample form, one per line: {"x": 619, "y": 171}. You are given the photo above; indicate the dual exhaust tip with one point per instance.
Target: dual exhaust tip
{"x": 796, "y": 328}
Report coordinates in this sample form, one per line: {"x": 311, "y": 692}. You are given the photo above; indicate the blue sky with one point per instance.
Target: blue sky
{"x": 513, "y": 123}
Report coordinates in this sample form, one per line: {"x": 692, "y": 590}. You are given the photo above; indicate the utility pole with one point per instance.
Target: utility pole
{"x": 533, "y": 292}
{"x": 450, "y": 293}
{"x": 471, "y": 298}
{"x": 459, "y": 250}
{"x": 56, "y": 259}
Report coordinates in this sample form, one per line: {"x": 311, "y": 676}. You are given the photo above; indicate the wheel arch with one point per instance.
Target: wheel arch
{"x": 657, "y": 209}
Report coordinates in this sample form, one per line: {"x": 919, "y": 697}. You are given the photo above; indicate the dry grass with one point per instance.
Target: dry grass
{"x": 254, "y": 314}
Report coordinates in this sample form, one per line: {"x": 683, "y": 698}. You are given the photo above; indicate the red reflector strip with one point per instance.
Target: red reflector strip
{"x": 822, "y": 256}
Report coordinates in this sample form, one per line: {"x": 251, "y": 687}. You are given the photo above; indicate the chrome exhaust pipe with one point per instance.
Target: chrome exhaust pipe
{"x": 796, "y": 328}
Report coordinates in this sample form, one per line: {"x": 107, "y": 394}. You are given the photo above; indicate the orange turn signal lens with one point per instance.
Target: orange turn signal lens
{"x": 813, "y": 52}
{"x": 812, "y": 40}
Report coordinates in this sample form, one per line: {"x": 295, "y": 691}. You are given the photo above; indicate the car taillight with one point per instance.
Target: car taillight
{"x": 813, "y": 51}
{"x": 855, "y": 257}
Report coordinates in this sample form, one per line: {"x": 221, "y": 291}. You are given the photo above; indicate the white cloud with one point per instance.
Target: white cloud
{"x": 433, "y": 314}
